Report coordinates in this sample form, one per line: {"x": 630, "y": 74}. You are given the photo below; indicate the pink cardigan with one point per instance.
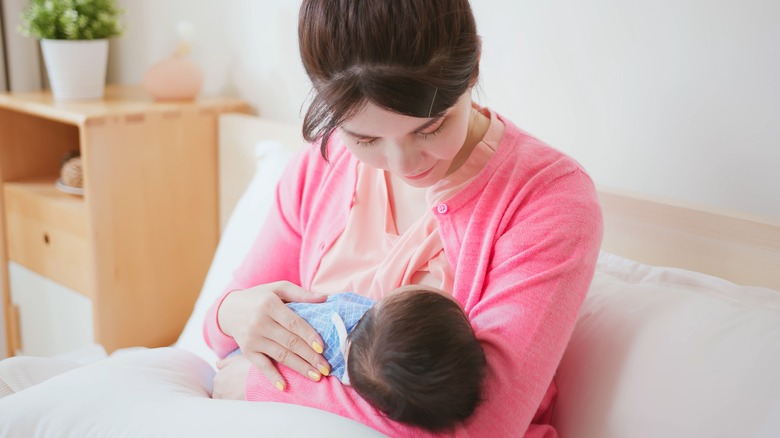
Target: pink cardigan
{"x": 522, "y": 239}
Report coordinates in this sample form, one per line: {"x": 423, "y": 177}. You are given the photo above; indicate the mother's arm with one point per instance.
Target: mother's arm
{"x": 251, "y": 313}
{"x": 540, "y": 273}
{"x": 524, "y": 314}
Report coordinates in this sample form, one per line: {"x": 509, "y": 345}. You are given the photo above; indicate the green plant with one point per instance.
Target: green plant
{"x": 71, "y": 19}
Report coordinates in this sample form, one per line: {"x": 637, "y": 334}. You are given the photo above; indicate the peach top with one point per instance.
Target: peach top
{"x": 376, "y": 262}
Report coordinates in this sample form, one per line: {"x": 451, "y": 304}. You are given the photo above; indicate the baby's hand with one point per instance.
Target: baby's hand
{"x": 230, "y": 380}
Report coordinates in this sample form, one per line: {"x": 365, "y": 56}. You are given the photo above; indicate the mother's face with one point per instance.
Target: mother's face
{"x": 418, "y": 150}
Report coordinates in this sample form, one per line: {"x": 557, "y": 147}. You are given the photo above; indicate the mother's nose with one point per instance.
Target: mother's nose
{"x": 403, "y": 159}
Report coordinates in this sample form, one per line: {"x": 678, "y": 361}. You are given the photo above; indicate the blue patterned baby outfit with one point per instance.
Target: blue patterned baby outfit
{"x": 333, "y": 320}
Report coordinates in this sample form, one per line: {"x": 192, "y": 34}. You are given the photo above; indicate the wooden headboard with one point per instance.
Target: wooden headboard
{"x": 734, "y": 246}
{"x": 742, "y": 249}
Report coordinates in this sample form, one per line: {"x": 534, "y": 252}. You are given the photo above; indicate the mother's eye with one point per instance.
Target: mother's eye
{"x": 431, "y": 131}
{"x": 364, "y": 142}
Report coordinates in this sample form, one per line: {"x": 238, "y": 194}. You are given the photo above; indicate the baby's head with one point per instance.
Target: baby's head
{"x": 415, "y": 357}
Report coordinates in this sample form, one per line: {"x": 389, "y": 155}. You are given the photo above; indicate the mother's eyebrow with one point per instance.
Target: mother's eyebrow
{"x": 418, "y": 129}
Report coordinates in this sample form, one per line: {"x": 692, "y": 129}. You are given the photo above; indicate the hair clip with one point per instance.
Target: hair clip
{"x": 432, "y": 100}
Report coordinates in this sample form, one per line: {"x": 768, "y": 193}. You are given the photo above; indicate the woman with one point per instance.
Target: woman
{"x": 418, "y": 185}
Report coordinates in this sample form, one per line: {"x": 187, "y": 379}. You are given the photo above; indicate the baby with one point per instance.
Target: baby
{"x": 411, "y": 355}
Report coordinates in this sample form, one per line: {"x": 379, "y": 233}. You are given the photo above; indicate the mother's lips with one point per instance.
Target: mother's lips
{"x": 420, "y": 175}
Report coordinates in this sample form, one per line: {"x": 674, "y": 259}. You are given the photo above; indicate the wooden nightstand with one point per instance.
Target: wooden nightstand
{"x": 123, "y": 264}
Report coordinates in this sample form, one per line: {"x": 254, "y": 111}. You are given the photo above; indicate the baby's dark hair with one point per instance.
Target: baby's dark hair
{"x": 415, "y": 357}
{"x": 411, "y": 57}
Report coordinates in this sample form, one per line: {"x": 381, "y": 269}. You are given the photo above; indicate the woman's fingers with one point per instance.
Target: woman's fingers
{"x": 267, "y": 330}
{"x": 289, "y": 292}
{"x": 291, "y": 350}
{"x": 294, "y": 323}
{"x": 283, "y": 356}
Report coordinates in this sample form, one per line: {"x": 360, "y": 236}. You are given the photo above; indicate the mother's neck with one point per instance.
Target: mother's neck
{"x": 478, "y": 126}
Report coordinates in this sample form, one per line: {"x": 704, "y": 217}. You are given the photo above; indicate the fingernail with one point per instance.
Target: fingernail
{"x": 323, "y": 369}
{"x": 314, "y": 376}
{"x": 316, "y": 346}
{"x": 280, "y": 386}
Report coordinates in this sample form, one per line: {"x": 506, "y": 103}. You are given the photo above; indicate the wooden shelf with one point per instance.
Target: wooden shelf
{"x": 45, "y": 188}
{"x": 47, "y": 231}
{"x": 119, "y": 100}
{"x": 139, "y": 243}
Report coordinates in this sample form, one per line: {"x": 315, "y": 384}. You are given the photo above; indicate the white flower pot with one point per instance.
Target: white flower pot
{"x": 76, "y": 68}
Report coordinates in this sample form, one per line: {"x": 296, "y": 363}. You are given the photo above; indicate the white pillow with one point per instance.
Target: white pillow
{"x": 162, "y": 392}
{"x": 239, "y": 233}
{"x": 661, "y": 352}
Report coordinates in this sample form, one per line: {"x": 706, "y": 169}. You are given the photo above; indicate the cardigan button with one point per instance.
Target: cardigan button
{"x": 442, "y": 208}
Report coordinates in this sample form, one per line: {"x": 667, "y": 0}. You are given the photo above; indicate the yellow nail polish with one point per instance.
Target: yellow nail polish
{"x": 280, "y": 386}
{"x": 317, "y": 347}
{"x": 314, "y": 376}
{"x": 323, "y": 369}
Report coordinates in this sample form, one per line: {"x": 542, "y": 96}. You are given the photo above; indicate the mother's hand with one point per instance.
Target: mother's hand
{"x": 265, "y": 328}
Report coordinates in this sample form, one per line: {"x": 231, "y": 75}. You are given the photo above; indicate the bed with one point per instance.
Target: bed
{"x": 677, "y": 337}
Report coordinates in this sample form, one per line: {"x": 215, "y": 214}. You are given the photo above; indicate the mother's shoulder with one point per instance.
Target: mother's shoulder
{"x": 528, "y": 155}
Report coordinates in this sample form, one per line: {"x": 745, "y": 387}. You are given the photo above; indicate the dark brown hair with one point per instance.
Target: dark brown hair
{"x": 415, "y": 357}
{"x": 411, "y": 57}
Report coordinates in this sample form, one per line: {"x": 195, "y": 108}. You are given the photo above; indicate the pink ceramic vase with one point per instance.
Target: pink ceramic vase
{"x": 175, "y": 78}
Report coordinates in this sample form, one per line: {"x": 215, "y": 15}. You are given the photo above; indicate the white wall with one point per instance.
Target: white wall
{"x": 678, "y": 98}
{"x": 245, "y": 47}
{"x": 24, "y": 66}
{"x": 675, "y": 98}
